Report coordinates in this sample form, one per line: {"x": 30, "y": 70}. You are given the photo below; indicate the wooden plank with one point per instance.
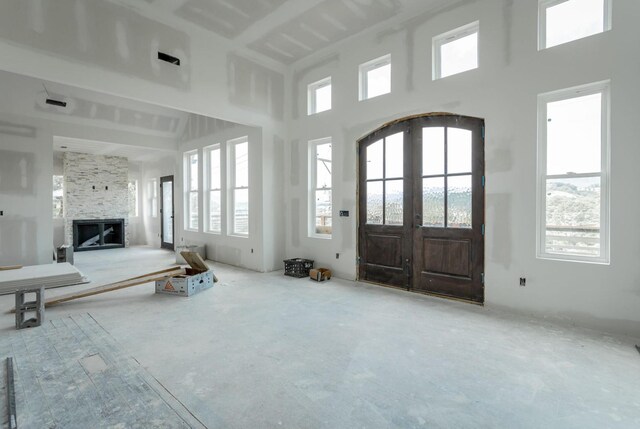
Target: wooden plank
{"x": 195, "y": 261}
{"x": 134, "y": 281}
{"x": 10, "y": 267}
{"x": 111, "y": 287}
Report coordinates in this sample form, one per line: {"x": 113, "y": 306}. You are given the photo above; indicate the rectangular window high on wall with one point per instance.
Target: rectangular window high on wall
{"x": 573, "y": 169}
{"x": 153, "y": 198}
{"x": 239, "y": 178}
{"x": 319, "y": 96}
{"x": 213, "y": 194}
{"x": 375, "y": 77}
{"x": 456, "y": 51}
{"x": 563, "y": 21}
{"x": 320, "y": 195}
{"x": 191, "y": 220}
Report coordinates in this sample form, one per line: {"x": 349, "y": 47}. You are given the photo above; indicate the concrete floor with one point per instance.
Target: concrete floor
{"x": 265, "y": 350}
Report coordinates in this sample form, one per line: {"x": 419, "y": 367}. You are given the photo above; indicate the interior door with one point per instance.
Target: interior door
{"x": 166, "y": 213}
{"x": 421, "y": 206}
{"x": 448, "y": 239}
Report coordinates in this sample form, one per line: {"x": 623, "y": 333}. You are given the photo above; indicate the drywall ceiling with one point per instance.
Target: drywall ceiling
{"x": 283, "y": 30}
{"x": 133, "y": 153}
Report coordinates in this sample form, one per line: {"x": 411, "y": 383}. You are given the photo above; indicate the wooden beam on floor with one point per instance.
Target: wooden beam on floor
{"x": 122, "y": 284}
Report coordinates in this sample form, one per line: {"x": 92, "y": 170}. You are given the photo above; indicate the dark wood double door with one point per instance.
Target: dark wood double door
{"x": 421, "y": 206}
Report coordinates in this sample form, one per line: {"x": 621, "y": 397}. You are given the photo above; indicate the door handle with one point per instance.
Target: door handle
{"x": 419, "y": 226}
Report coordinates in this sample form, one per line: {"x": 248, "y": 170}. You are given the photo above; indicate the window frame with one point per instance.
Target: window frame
{"x": 543, "y": 5}
{"x": 603, "y": 88}
{"x": 208, "y": 150}
{"x": 312, "y": 96}
{"x": 363, "y": 79}
{"x": 313, "y": 179}
{"x": 231, "y": 180}
{"x": 188, "y": 191}
{"x": 451, "y": 36}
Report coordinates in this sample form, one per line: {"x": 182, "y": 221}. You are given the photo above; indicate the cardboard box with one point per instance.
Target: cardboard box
{"x": 320, "y": 274}
{"x": 185, "y": 285}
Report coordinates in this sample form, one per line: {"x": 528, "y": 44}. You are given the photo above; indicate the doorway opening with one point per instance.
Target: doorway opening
{"x": 421, "y": 206}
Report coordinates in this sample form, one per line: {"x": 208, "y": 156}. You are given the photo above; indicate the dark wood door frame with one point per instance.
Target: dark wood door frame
{"x": 163, "y": 244}
{"x": 454, "y": 263}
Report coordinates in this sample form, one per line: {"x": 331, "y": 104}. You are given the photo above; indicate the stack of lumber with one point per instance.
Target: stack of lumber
{"x": 47, "y": 275}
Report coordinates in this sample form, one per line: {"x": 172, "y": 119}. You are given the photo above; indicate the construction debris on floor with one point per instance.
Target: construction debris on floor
{"x": 47, "y": 276}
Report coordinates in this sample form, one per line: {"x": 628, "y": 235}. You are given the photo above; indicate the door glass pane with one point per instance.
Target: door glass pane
{"x": 459, "y": 202}
{"x": 432, "y": 151}
{"x": 241, "y": 211}
{"x": 573, "y": 216}
{"x": 574, "y": 135}
{"x": 374, "y": 202}
{"x": 214, "y": 211}
{"x": 394, "y": 202}
{"x": 167, "y": 212}
{"x": 394, "y": 156}
{"x": 374, "y": 160}
{"x": 458, "y": 151}
{"x": 433, "y": 202}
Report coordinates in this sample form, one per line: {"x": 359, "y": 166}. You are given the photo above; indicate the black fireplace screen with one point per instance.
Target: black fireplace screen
{"x": 94, "y": 234}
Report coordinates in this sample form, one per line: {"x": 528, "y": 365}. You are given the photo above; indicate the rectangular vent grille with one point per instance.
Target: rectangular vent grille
{"x": 56, "y": 102}
{"x": 168, "y": 58}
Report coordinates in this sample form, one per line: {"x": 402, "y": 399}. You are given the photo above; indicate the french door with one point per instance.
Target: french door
{"x": 421, "y": 206}
{"x": 166, "y": 213}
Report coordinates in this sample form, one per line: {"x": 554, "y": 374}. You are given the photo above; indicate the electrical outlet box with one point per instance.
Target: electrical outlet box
{"x": 523, "y": 281}
{"x": 337, "y": 256}
{"x": 344, "y": 213}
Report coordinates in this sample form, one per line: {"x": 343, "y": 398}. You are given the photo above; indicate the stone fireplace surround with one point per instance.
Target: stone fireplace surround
{"x": 95, "y": 187}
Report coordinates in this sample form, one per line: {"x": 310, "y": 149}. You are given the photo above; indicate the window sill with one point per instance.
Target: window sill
{"x": 321, "y": 236}
{"x": 238, "y": 235}
{"x": 570, "y": 258}
{"x": 213, "y": 232}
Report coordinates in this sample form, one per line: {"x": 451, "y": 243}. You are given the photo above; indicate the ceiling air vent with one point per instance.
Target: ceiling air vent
{"x": 168, "y": 58}
{"x": 56, "y": 102}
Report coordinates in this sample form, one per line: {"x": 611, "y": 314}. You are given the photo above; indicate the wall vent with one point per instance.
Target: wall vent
{"x": 168, "y": 58}
{"x": 56, "y": 102}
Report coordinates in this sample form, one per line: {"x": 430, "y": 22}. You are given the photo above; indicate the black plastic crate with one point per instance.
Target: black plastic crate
{"x": 297, "y": 267}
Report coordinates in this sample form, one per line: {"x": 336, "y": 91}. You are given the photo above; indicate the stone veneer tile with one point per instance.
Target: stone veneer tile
{"x": 83, "y": 172}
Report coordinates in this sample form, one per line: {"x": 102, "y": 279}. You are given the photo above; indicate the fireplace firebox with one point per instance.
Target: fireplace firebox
{"x": 95, "y": 234}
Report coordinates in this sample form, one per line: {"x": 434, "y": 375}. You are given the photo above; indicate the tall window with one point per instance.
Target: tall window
{"x": 191, "y": 187}
{"x": 563, "y": 21}
{"x": 456, "y": 51}
{"x": 320, "y": 205}
{"x": 375, "y": 77}
{"x": 133, "y": 198}
{"x": 153, "y": 197}
{"x": 213, "y": 202}
{"x": 58, "y": 196}
{"x": 319, "y": 96}
{"x": 573, "y": 171}
{"x": 239, "y": 160}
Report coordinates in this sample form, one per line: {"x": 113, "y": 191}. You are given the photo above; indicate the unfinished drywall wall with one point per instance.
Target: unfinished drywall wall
{"x": 26, "y": 230}
{"x": 504, "y": 92}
